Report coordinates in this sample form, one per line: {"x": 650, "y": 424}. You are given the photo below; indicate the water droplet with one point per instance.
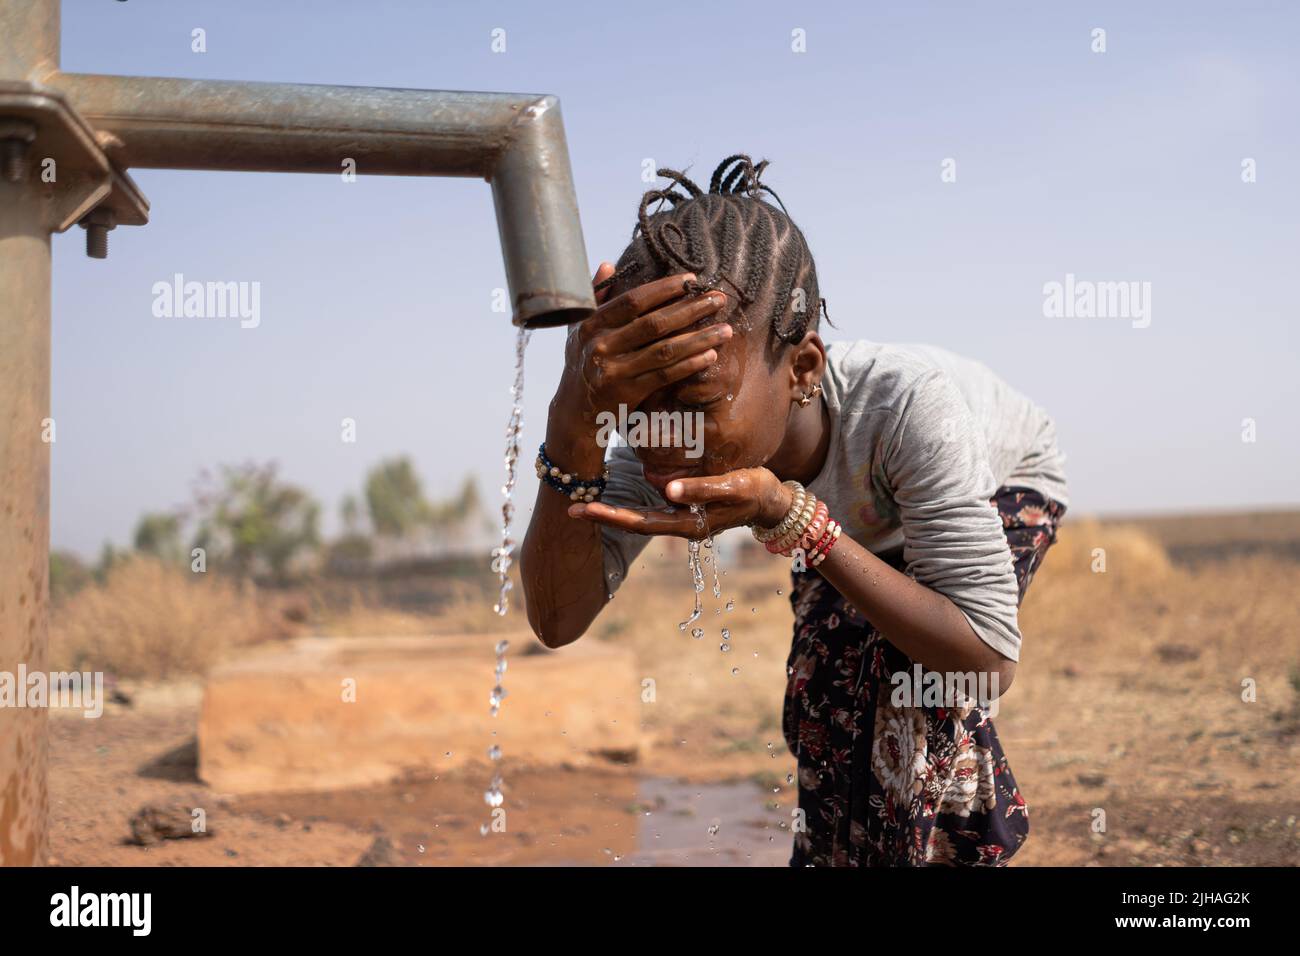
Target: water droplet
{"x": 731, "y": 605}
{"x": 725, "y": 648}
{"x": 697, "y": 632}
{"x": 494, "y": 752}
{"x": 735, "y": 671}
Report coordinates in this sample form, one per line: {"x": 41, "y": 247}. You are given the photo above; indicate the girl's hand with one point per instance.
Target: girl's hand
{"x": 743, "y": 497}
{"x": 634, "y": 345}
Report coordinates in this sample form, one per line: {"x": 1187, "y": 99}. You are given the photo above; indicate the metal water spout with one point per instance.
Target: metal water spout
{"x": 90, "y": 130}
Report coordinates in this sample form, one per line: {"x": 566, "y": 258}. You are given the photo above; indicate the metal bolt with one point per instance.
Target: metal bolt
{"x": 15, "y": 139}
{"x": 15, "y": 160}
{"x": 97, "y": 224}
{"x": 97, "y": 242}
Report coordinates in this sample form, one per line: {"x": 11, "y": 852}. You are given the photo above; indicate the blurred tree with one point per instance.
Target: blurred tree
{"x": 350, "y": 554}
{"x": 395, "y": 499}
{"x": 159, "y": 535}
{"x": 351, "y": 513}
{"x": 253, "y": 524}
{"x": 68, "y": 575}
{"x": 109, "y": 557}
{"x": 457, "y": 511}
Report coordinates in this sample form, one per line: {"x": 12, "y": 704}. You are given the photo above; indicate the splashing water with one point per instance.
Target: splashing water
{"x": 503, "y": 557}
{"x": 712, "y": 559}
{"x": 697, "y": 572}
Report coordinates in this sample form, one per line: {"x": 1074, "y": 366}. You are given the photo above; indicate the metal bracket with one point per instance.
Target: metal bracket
{"x": 84, "y": 180}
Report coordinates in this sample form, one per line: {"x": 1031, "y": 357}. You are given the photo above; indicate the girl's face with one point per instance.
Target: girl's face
{"x": 742, "y": 402}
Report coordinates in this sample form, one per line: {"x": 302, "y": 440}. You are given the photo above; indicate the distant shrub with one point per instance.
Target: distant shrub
{"x": 150, "y": 620}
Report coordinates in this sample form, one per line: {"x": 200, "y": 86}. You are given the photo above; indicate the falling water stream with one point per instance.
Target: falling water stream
{"x": 503, "y": 558}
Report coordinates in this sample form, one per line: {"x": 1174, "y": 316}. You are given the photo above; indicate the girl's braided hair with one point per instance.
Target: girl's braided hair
{"x": 732, "y": 239}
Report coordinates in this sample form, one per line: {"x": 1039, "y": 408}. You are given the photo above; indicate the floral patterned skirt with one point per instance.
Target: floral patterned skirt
{"x": 885, "y": 785}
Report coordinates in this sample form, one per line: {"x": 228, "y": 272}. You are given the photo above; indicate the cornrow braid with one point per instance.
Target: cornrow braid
{"x": 733, "y": 239}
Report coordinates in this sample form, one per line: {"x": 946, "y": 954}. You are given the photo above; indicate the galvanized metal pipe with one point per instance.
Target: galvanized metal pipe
{"x": 29, "y": 45}
{"x": 516, "y": 142}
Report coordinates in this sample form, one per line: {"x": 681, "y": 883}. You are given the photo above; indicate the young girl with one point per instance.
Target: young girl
{"x": 914, "y": 492}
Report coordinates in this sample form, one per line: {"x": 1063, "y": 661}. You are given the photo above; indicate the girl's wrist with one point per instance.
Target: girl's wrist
{"x": 775, "y": 506}
{"x": 571, "y": 439}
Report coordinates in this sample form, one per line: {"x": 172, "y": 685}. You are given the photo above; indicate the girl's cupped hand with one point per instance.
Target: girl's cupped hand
{"x": 743, "y": 497}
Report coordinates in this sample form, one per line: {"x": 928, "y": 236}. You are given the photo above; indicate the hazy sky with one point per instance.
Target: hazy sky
{"x": 376, "y": 296}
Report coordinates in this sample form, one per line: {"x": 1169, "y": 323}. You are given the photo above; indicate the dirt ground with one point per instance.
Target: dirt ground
{"x": 1154, "y": 721}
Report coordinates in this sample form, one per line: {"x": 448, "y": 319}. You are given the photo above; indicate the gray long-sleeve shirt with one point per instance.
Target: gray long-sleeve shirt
{"x": 921, "y": 439}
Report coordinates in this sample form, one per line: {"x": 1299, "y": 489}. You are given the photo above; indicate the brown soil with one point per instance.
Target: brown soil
{"x": 1127, "y": 711}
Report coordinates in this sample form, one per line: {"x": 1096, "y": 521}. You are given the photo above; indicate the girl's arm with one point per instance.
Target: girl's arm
{"x": 562, "y": 560}
{"x": 922, "y": 623}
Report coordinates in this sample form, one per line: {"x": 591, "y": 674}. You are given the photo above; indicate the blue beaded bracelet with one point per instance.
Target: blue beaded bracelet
{"x": 569, "y": 485}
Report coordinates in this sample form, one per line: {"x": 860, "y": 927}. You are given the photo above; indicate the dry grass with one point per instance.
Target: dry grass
{"x": 152, "y": 621}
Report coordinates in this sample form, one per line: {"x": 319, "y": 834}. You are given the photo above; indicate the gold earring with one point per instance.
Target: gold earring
{"x": 809, "y": 396}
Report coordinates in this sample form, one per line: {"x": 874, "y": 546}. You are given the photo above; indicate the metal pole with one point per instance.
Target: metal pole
{"x": 29, "y": 44}
{"x": 515, "y": 141}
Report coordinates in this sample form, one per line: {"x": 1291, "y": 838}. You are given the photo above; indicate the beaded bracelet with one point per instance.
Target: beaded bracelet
{"x": 823, "y": 547}
{"x": 765, "y": 535}
{"x": 814, "y": 533}
{"x": 786, "y": 542}
{"x": 571, "y": 486}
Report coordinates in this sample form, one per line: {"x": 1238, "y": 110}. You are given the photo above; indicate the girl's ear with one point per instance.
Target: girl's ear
{"x": 807, "y": 365}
